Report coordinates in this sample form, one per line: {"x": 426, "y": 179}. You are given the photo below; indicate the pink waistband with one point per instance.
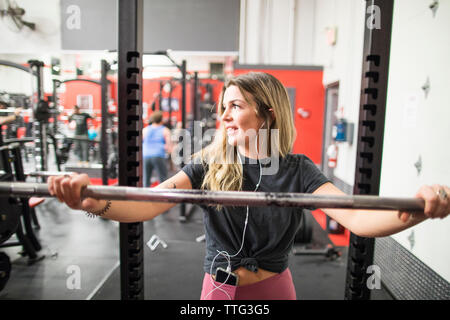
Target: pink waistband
{"x": 278, "y": 287}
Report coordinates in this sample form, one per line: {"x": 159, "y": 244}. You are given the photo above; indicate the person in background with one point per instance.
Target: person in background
{"x": 156, "y": 144}
{"x": 81, "y": 132}
{"x": 93, "y": 143}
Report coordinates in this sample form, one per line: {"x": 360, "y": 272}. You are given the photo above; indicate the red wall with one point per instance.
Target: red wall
{"x": 73, "y": 88}
{"x": 309, "y": 95}
{"x": 152, "y": 86}
{"x": 68, "y": 98}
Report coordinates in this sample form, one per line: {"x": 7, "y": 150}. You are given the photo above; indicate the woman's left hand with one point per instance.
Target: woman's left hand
{"x": 437, "y": 202}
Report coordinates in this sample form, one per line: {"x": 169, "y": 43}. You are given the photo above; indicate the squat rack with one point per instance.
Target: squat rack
{"x": 106, "y": 123}
{"x": 369, "y": 142}
{"x": 372, "y": 111}
{"x": 130, "y": 49}
{"x": 40, "y": 110}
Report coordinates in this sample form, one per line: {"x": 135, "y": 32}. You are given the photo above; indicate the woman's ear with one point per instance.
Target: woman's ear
{"x": 272, "y": 115}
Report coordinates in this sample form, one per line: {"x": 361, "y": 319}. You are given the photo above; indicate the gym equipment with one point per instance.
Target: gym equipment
{"x": 183, "y": 70}
{"x": 227, "y": 198}
{"x": 129, "y": 89}
{"x": 18, "y": 214}
{"x": 303, "y": 240}
{"x": 106, "y": 140}
{"x": 305, "y": 231}
{"x": 41, "y": 116}
{"x": 5, "y": 269}
{"x": 369, "y": 143}
{"x": 329, "y": 252}
{"x": 9, "y": 111}
{"x": 40, "y": 174}
{"x": 9, "y": 218}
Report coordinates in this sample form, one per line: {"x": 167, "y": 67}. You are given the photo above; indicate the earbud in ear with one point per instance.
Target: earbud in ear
{"x": 272, "y": 113}
{"x": 262, "y": 125}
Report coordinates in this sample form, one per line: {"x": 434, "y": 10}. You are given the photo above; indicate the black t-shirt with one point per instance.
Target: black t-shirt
{"x": 271, "y": 230}
{"x": 81, "y": 123}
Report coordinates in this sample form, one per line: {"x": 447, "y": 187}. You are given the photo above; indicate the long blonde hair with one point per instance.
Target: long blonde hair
{"x": 224, "y": 172}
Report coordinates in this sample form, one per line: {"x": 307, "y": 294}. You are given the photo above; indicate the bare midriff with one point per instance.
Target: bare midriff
{"x": 247, "y": 277}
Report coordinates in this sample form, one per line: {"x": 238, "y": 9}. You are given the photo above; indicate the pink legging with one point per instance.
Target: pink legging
{"x": 278, "y": 287}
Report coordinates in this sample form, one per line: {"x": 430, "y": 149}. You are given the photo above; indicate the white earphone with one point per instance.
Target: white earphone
{"x": 226, "y": 254}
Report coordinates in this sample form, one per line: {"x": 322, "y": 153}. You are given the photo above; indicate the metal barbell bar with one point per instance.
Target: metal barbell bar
{"x": 24, "y": 111}
{"x": 9, "y": 110}
{"x": 41, "y": 174}
{"x": 226, "y": 198}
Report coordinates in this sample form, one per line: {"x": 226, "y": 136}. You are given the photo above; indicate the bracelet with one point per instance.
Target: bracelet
{"x": 100, "y": 212}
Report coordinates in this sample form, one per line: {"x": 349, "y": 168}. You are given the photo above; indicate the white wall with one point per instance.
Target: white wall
{"x": 277, "y": 32}
{"x": 417, "y": 125}
{"x": 305, "y": 43}
{"x": 343, "y": 63}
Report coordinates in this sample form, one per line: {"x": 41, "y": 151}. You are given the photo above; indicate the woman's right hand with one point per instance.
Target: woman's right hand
{"x": 68, "y": 188}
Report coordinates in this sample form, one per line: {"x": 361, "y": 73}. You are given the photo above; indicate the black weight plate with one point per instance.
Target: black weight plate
{"x": 9, "y": 218}
{"x": 304, "y": 234}
{"x": 5, "y": 269}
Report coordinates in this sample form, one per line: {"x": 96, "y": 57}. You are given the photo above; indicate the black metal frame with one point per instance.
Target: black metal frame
{"x": 183, "y": 216}
{"x": 19, "y": 67}
{"x": 183, "y": 69}
{"x": 103, "y": 83}
{"x": 11, "y": 158}
{"x": 372, "y": 112}
{"x": 40, "y": 127}
{"x": 105, "y": 67}
{"x": 195, "y": 111}
{"x": 130, "y": 44}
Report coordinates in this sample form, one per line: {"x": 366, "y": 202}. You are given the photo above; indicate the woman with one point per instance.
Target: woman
{"x": 156, "y": 143}
{"x": 253, "y": 243}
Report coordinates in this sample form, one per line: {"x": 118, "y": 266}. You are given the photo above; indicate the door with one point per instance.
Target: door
{"x": 331, "y": 107}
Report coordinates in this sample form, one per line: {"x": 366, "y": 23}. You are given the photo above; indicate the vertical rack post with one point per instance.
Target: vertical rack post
{"x": 104, "y": 145}
{"x": 374, "y": 82}
{"x": 183, "y": 217}
{"x": 130, "y": 48}
{"x": 39, "y": 124}
{"x": 195, "y": 113}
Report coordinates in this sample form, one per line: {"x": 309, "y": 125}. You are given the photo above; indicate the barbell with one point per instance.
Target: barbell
{"x": 226, "y": 198}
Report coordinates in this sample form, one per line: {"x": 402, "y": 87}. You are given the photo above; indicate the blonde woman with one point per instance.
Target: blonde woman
{"x": 251, "y": 152}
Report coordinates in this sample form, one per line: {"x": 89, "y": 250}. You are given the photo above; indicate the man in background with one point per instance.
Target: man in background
{"x": 81, "y": 134}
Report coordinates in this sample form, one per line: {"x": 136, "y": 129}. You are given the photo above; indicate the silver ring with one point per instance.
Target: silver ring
{"x": 442, "y": 194}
